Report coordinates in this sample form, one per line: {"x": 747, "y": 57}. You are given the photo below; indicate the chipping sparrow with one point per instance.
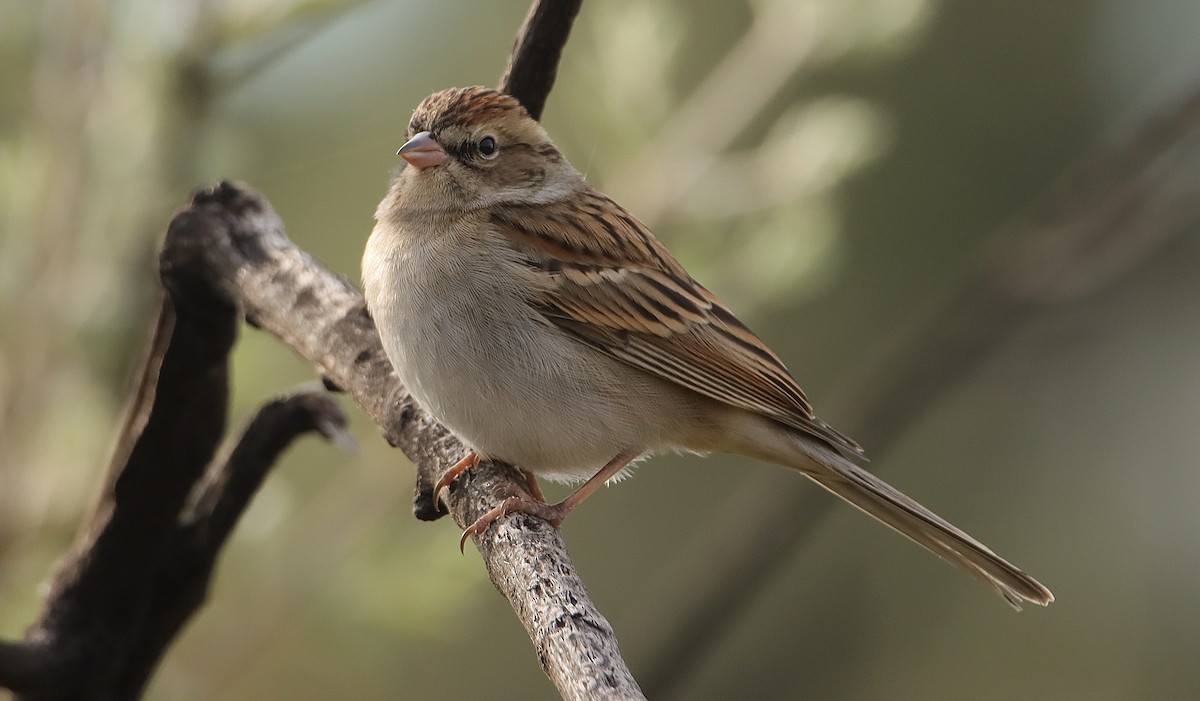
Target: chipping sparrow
{"x": 546, "y": 327}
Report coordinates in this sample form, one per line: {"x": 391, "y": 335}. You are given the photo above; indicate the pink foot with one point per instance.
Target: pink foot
{"x": 471, "y": 460}
{"x": 522, "y": 504}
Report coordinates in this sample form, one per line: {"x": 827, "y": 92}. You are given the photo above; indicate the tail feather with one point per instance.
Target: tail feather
{"x": 836, "y": 473}
{"x": 880, "y": 500}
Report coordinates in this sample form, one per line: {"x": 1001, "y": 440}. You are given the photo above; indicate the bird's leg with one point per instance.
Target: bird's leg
{"x": 535, "y": 490}
{"x": 471, "y": 460}
{"x": 550, "y": 513}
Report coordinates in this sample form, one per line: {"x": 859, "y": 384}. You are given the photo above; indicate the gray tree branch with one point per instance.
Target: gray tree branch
{"x": 230, "y": 236}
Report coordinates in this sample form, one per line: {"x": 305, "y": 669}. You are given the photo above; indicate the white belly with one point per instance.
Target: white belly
{"x": 475, "y": 355}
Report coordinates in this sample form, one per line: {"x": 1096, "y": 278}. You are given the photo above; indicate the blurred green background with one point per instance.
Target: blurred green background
{"x": 837, "y": 171}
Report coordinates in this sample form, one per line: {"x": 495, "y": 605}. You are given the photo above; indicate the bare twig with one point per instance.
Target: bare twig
{"x": 97, "y": 597}
{"x": 141, "y": 566}
{"x": 214, "y": 506}
{"x": 533, "y": 63}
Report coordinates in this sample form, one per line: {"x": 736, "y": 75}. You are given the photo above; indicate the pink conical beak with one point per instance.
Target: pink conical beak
{"x": 422, "y": 151}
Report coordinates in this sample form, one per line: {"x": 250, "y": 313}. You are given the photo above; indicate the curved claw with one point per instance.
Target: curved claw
{"x": 467, "y": 533}
{"x": 483, "y": 522}
{"x": 471, "y": 460}
{"x": 550, "y": 513}
{"x": 533, "y": 504}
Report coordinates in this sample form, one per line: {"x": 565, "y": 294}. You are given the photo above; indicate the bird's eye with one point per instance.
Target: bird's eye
{"x": 487, "y": 147}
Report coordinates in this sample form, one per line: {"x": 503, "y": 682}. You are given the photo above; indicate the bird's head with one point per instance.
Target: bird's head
{"x": 472, "y": 148}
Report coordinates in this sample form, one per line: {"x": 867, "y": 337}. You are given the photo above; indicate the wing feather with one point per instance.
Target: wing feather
{"x": 609, "y": 283}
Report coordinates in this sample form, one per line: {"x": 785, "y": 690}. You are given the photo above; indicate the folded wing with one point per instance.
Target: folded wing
{"x": 612, "y": 285}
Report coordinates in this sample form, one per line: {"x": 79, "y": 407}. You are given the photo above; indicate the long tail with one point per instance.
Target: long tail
{"x": 884, "y": 502}
{"x": 880, "y": 500}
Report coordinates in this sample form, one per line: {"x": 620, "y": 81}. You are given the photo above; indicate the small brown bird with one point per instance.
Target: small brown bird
{"x": 546, "y": 327}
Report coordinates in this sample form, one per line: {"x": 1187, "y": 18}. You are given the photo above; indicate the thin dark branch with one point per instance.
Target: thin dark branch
{"x": 214, "y": 507}
{"x": 235, "y": 476}
{"x": 141, "y": 566}
{"x": 24, "y": 664}
{"x": 97, "y": 597}
{"x": 533, "y": 63}
{"x": 1076, "y": 219}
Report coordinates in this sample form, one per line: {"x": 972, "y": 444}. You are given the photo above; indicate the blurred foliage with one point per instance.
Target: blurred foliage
{"x": 830, "y": 168}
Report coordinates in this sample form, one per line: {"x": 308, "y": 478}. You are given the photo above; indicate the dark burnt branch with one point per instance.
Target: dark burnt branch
{"x": 243, "y": 463}
{"x": 96, "y": 599}
{"x": 96, "y": 603}
{"x": 24, "y": 664}
{"x": 142, "y": 564}
{"x": 533, "y": 63}
{"x": 214, "y": 506}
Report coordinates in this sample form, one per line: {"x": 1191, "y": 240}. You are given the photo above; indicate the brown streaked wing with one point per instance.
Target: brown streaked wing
{"x": 612, "y": 285}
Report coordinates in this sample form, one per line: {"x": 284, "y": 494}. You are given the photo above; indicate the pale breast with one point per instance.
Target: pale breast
{"x": 455, "y": 324}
